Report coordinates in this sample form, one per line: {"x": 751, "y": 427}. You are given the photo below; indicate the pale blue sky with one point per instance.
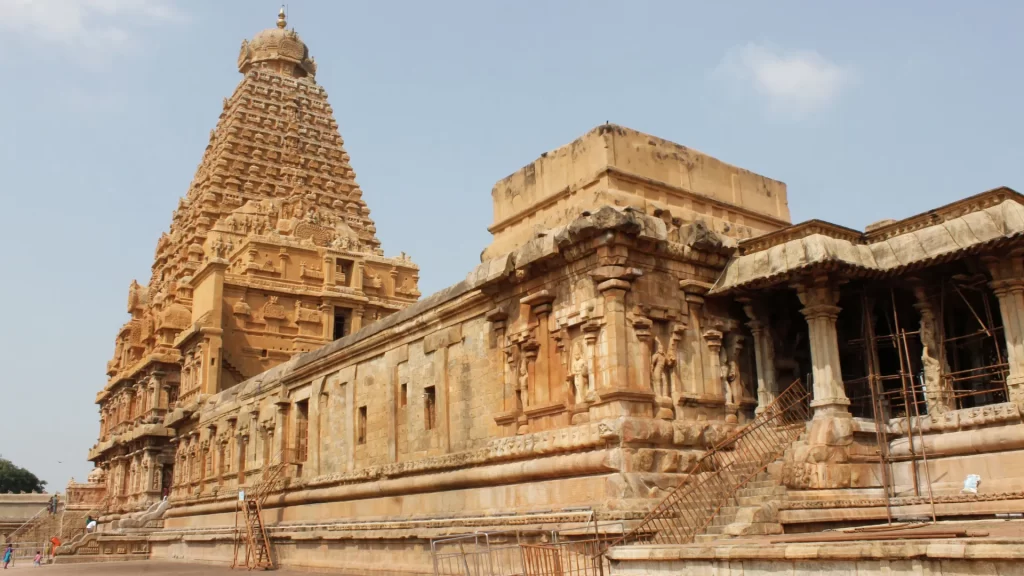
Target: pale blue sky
{"x": 866, "y": 110}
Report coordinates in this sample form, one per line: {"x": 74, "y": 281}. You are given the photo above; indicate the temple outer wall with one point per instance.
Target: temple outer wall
{"x": 553, "y": 384}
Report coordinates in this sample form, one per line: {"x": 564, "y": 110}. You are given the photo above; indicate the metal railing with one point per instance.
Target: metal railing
{"x": 721, "y": 472}
{"x": 483, "y": 553}
{"x": 569, "y": 557}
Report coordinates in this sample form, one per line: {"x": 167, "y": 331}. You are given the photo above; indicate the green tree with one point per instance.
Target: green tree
{"x": 15, "y": 479}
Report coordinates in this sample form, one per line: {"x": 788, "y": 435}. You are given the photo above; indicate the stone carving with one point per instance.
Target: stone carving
{"x": 580, "y": 374}
{"x": 731, "y": 374}
{"x": 659, "y": 363}
{"x": 938, "y": 396}
{"x": 523, "y": 388}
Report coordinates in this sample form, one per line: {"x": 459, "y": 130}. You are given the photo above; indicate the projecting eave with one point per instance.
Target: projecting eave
{"x": 983, "y": 222}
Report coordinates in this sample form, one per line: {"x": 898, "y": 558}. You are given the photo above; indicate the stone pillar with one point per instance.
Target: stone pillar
{"x": 1008, "y": 284}
{"x": 764, "y": 356}
{"x": 281, "y": 432}
{"x": 317, "y": 397}
{"x": 357, "y": 319}
{"x": 175, "y": 444}
{"x": 819, "y": 297}
{"x": 673, "y": 361}
{"x": 540, "y": 307}
{"x": 590, "y": 332}
{"x": 129, "y": 412}
{"x": 155, "y": 472}
{"x": 329, "y": 270}
{"x": 693, "y": 296}
{"x": 327, "y": 314}
{"x": 714, "y": 384}
{"x": 642, "y": 329}
{"x": 393, "y": 281}
{"x": 620, "y": 393}
{"x": 497, "y": 318}
{"x": 529, "y": 352}
{"x": 613, "y": 282}
{"x": 156, "y": 386}
{"x": 140, "y": 391}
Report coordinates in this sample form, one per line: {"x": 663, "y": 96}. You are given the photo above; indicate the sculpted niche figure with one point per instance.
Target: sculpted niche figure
{"x": 663, "y": 367}
{"x": 580, "y": 373}
{"x": 524, "y": 382}
{"x": 658, "y": 363}
{"x": 730, "y": 369}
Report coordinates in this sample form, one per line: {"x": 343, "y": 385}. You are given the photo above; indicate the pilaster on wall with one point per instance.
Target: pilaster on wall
{"x": 1008, "y": 284}
{"x": 621, "y": 391}
{"x": 393, "y": 360}
{"x": 540, "y": 308}
{"x": 820, "y": 297}
{"x": 704, "y": 348}
{"x": 318, "y": 398}
{"x": 437, "y": 345}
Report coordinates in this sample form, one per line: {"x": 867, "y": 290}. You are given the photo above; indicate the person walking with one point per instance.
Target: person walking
{"x": 8, "y": 555}
{"x": 38, "y": 560}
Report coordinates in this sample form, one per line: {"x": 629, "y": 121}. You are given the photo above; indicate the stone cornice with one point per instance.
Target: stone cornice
{"x": 945, "y": 213}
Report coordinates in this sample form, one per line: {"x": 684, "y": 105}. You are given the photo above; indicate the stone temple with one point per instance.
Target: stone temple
{"x": 639, "y": 303}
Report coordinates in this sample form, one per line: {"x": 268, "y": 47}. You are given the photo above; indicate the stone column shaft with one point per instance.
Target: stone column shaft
{"x": 819, "y": 298}
{"x": 1008, "y": 286}
{"x": 540, "y": 381}
{"x": 616, "y": 371}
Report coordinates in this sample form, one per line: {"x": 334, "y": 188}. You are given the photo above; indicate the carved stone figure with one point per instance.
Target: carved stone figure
{"x": 524, "y": 382}
{"x": 658, "y": 375}
{"x": 580, "y": 373}
{"x": 731, "y": 375}
{"x": 938, "y": 397}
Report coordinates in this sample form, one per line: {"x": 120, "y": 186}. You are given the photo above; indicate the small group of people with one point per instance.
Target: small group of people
{"x": 53, "y": 505}
{"x": 9, "y": 557}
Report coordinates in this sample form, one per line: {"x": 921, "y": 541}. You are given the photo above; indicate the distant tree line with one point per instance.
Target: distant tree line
{"x": 15, "y": 479}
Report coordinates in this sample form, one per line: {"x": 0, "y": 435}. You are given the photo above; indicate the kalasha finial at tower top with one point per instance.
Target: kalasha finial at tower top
{"x": 281, "y": 22}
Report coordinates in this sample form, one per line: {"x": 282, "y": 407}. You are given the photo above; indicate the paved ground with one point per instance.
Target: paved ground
{"x": 147, "y": 568}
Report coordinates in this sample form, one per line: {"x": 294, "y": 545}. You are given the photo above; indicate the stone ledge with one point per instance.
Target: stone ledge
{"x": 993, "y": 549}
{"x": 876, "y": 511}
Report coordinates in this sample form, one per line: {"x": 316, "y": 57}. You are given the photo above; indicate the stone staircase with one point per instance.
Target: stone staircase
{"x": 752, "y": 511}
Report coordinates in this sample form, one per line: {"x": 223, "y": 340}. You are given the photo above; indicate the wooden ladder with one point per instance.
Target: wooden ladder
{"x": 258, "y": 550}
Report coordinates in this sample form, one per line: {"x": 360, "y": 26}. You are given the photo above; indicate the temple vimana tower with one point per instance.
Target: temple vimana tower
{"x": 639, "y": 303}
{"x": 271, "y": 253}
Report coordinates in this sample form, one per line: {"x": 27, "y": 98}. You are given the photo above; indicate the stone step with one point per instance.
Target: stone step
{"x": 744, "y": 501}
{"x": 723, "y": 519}
{"x": 705, "y": 538}
{"x": 752, "y": 529}
{"x": 755, "y": 484}
{"x": 713, "y": 530}
{"x": 776, "y": 492}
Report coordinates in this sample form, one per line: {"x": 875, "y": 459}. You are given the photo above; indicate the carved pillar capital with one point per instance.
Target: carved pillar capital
{"x": 642, "y": 328}
{"x": 497, "y": 317}
{"x": 714, "y": 340}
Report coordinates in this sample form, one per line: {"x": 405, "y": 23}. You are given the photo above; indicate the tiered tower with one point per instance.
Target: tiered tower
{"x": 270, "y": 253}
